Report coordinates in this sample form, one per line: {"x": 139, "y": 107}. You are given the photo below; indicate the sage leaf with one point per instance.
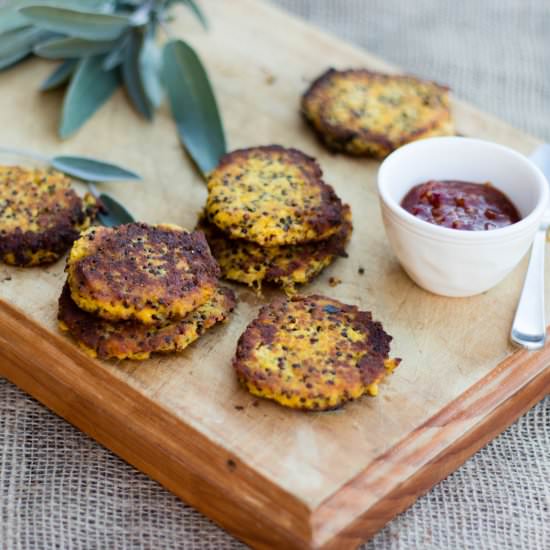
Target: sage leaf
{"x": 62, "y": 48}
{"x": 11, "y": 20}
{"x": 90, "y": 87}
{"x": 115, "y": 214}
{"x": 18, "y": 40}
{"x": 61, "y": 75}
{"x": 116, "y": 56}
{"x": 132, "y": 75}
{"x": 150, "y": 66}
{"x": 6, "y": 62}
{"x": 17, "y": 44}
{"x": 194, "y": 7}
{"x": 89, "y": 169}
{"x": 193, "y": 105}
{"x": 73, "y": 22}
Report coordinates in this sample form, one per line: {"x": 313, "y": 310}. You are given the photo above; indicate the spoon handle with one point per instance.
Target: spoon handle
{"x": 529, "y": 327}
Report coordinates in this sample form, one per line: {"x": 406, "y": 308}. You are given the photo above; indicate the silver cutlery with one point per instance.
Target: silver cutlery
{"x": 529, "y": 326}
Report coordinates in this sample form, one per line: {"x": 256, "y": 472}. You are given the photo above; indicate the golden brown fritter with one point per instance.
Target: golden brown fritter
{"x": 134, "y": 340}
{"x": 252, "y": 264}
{"x": 364, "y": 113}
{"x": 40, "y": 215}
{"x": 313, "y": 353}
{"x": 272, "y": 196}
{"x": 139, "y": 271}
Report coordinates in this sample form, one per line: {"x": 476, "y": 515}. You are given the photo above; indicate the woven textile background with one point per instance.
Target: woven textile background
{"x": 59, "y": 489}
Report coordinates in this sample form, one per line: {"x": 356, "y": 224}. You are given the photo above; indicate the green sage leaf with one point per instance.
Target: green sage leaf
{"x": 132, "y": 75}
{"x": 89, "y": 169}
{"x": 6, "y": 62}
{"x": 194, "y": 7}
{"x": 15, "y": 41}
{"x": 116, "y": 56}
{"x": 17, "y": 44}
{"x": 90, "y": 88}
{"x": 11, "y": 20}
{"x": 193, "y": 105}
{"x": 62, "y": 48}
{"x": 115, "y": 214}
{"x": 150, "y": 66}
{"x": 77, "y": 23}
{"x": 60, "y": 76}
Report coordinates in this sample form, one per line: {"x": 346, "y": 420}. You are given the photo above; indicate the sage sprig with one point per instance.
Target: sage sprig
{"x": 105, "y": 44}
{"x": 93, "y": 171}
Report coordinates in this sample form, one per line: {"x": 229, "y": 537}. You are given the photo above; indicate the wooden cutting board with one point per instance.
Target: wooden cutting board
{"x": 271, "y": 476}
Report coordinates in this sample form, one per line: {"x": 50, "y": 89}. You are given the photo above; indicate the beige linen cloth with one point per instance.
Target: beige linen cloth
{"x": 59, "y": 489}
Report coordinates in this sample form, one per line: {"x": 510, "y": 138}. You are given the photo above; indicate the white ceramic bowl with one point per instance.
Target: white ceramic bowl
{"x": 454, "y": 262}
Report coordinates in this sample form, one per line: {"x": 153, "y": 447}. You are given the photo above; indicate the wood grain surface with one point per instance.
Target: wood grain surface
{"x": 274, "y": 477}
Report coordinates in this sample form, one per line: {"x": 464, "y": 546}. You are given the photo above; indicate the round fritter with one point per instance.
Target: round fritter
{"x": 252, "y": 264}
{"x": 272, "y": 196}
{"x": 40, "y": 215}
{"x": 134, "y": 340}
{"x": 139, "y": 271}
{"x": 364, "y": 113}
{"x": 313, "y": 353}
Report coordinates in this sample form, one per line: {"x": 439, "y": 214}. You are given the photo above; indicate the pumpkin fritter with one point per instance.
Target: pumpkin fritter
{"x": 134, "y": 340}
{"x": 252, "y": 264}
{"x": 313, "y": 353}
{"x": 40, "y": 215}
{"x": 139, "y": 271}
{"x": 364, "y": 113}
{"x": 272, "y": 196}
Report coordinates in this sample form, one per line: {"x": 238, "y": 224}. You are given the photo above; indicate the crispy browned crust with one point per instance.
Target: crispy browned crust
{"x": 59, "y": 216}
{"x": 339, "y": 352}
{"x": 134, "y": 340}
{"x": 249, "y": 263}
{"x": 144, "y": 272}
{"x": 323, "y": 219}
{"x": 339, "y": 138}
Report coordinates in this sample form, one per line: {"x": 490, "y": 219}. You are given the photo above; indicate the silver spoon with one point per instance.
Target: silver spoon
{"x": 529, "y": 326}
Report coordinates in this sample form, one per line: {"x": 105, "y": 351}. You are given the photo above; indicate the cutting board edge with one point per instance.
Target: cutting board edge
{"x": 486, "y": 408}
{"x": 60, "y": 376}
{"x": 30, "y": 356}
{"x": 404, "y": 495}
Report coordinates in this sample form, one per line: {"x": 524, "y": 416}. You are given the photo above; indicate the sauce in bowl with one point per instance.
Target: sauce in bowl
{"x": 461, "y": 205}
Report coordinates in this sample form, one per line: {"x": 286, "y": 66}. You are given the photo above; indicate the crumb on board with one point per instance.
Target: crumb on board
{"x": 270, "y": 78}
{"x": 239, "y": 407}
{"x": 334, "y": 281}
{"x": 361, "y": 271}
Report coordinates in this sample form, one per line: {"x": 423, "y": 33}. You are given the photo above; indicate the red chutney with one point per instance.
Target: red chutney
{"x": 461, "y": 205}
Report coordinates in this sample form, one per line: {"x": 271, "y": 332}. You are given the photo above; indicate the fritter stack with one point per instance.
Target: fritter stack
{"x": 138, "y": 289}
{"x": 270, "y": 217}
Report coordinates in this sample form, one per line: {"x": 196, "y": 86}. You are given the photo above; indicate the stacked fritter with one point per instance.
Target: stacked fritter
{"x": 270, "y": 217}
{"x": 40, "y": 215}
{"x": 138, "y": 289}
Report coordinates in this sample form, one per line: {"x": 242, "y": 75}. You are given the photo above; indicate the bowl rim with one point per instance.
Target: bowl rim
{"x": 448, "y": 233}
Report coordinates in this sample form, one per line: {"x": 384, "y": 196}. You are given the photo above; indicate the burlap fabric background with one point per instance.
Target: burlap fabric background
{"x": 61, "y": 490}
